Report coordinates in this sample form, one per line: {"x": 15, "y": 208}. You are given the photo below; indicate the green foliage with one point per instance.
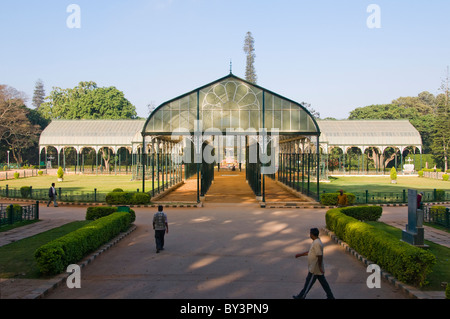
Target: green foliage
{"x": 96, "y": 212}
{"x": 445, "y": 177}
{"x": 127, "y": 198}
{"x": 440, "y": 195}
{"x": 16, "y": 175}
{"x": 447, "y": 292}
{"x": 53, "y": 257}
{"x": 420, "y": 173}
{"x": 87, "y": 101}
{"x": 25, "y": 191}
{"x": 363, "y": 213}
{"x": 40, "y": 173}
{"x": 393, "y": 174}
{"x": 407, "y": 263}
{"x": 118, "y": 190}
{"x": 16, "y": 211}
{"x": 330, "y": 199}
{"x": 60, "y": 172}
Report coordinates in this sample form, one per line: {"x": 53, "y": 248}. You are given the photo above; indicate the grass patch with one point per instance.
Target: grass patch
{"x": 87, "y": 183}
{"x": 17, "y": 259}
{"x": 441, "y": 270}
{"x": 358, "y": 184}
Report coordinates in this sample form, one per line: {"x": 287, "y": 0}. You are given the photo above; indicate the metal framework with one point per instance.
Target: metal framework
{"x": 260, "y": 122}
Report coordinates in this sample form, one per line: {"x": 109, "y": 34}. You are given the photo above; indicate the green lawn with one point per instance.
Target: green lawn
{"x": 359, "y": 184}
{"x": 17, "y": 259}
{"x": 87, "y": 183}
{"x": 441, "y": 270}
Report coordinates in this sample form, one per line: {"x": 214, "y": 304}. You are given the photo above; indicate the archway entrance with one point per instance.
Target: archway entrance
{"x": 231, "y": 123}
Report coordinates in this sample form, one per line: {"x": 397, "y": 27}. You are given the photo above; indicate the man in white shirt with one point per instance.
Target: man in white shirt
{"x": 315, "y": 266}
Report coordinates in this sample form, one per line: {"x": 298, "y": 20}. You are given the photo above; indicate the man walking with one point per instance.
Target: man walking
{"x": 315, "y": 267}
{"x": 161, "y": 228}
{"x": 52, "y": 195}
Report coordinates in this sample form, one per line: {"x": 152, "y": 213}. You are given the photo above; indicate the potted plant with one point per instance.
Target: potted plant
{"x": 393, "y": 175}
{"x": 60, "y": 174}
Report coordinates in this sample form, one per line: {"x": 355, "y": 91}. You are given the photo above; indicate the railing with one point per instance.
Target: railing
{"x": 437, "y": 215}
{"x": 367, "y": 197}
{"x": 12, "y": 213}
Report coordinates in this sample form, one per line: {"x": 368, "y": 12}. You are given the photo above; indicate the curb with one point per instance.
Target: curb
{"x": 410, "y": 291}
{"x": 58, "y": 280}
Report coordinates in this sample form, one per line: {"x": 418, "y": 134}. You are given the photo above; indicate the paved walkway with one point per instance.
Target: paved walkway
{"x": 219, "y": 251}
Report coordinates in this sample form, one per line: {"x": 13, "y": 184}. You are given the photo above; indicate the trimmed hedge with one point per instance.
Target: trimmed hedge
{"x": 330, "y": 199}
{"x": 127, "y": 198}
{"x": 96, "y": 212}
{"x": 364, "y": 213}
{"x": 53, "y": 257}
{"x": 407, "y": 263}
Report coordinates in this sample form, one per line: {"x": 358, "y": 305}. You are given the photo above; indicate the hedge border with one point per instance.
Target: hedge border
{"x": 339, "y": 223}
{"x": 411, "y": 291}
{"x": 53, "y": 257}
{"x": 60, "y": 279}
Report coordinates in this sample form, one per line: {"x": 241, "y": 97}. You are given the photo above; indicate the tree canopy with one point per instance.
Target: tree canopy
{"x": 87, "y": 101}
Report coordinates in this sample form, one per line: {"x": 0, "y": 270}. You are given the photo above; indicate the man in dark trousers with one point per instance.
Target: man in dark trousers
{"x": 315, "y": 266}
{"x": 52, "y": 195}
{"x": 161, "y": 228}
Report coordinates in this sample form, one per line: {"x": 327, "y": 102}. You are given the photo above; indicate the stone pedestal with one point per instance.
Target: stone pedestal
{"x": 414, "y": 232}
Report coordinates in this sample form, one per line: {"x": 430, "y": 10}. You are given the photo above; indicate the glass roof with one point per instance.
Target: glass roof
{"x": 232, "y": 104}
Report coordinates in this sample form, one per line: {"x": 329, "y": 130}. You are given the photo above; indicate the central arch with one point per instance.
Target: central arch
{"x": 265, "y": 126}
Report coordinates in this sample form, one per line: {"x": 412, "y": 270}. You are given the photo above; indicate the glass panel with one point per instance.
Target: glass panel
{"x": 295, "y": 119}
{"x": 255, "y": 120}
{"x": 286, "y": 120}
{"x": 244, "y": 120}
{"x": 277, "y": 120}
{"x": 268, "y": 119}
{"x": 303, "y": 121}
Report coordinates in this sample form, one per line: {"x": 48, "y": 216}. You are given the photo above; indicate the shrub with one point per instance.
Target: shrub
{"x": 438, "y": 213}
{"x": 330, "y": 199}
{"x": 118, "y": 198}
{"x": 420, "y": 173}
{"x": 16, "y": 175}
{"x": 445, "y": 177}
{"x": 117, "y": 190}
{"x": 25, "y": 191}
{"x": 53, "y": 257}
{"x": 447, "y": 292}
{"x": 127, "y": 198}
{"x": 40, "y": 173}
{"x": 365, "y": 213}
{"x": 407, "y": 263}
{"x": 16, "y": 212}
{"x": 393, "y": 174}
{"x": 97, "y": 212}
{"x": 140, "y": 198}
{"x": 440, "y": 195}
{"x": 60, "y": 173}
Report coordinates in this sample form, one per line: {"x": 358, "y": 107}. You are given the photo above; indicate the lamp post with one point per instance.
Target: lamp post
{"x": 8, "y": 158}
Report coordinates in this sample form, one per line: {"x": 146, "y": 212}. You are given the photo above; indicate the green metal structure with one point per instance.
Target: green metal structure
{"x": 269, "y": 133}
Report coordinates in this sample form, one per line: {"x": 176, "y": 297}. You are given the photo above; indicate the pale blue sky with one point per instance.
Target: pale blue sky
{"x": 320, "y": 52}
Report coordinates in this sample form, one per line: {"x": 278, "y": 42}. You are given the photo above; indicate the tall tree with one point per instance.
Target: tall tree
{"x": 39, "y": 94}
{"x": 87, "y": 101}
{"x": 17, "y": 133}
{"x": 249, "y": 49}
{"x": 441, "y": 140}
